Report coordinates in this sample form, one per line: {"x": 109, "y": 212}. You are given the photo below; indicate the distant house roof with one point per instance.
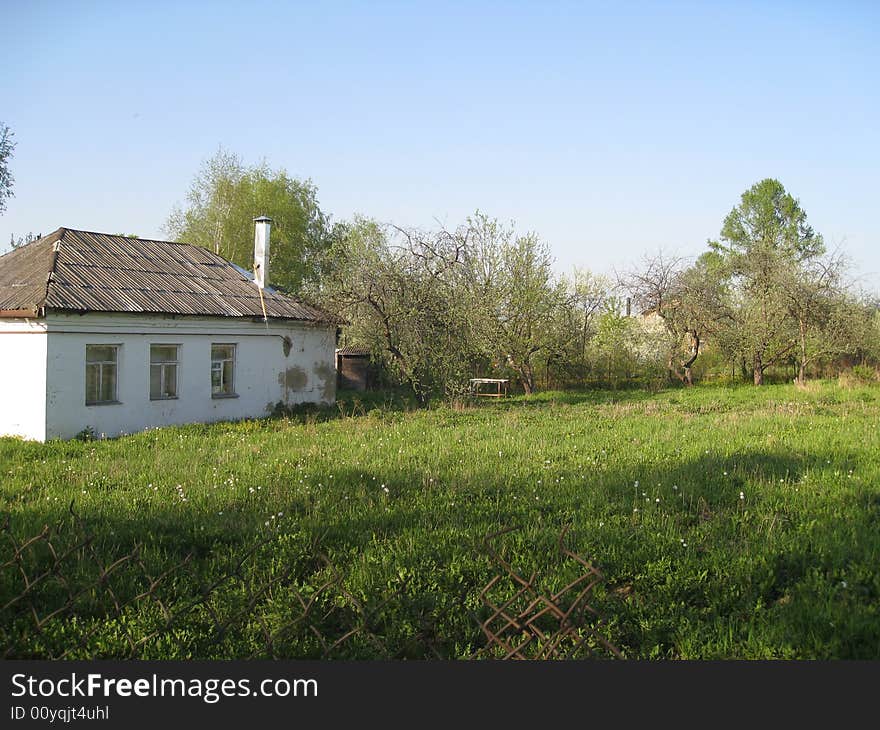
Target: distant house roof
{"x": 81, "y": 271}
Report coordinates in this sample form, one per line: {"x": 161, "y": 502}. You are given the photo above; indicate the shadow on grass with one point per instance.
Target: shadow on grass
{"x": 702, "y": 573}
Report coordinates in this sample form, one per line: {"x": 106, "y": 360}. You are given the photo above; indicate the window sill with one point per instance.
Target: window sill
{"x": 166, "y": 397}
{"x": 222, "y": 396}
{"x": 105, "y": 403}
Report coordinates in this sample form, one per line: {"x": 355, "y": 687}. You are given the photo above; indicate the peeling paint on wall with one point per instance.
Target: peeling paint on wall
{"x": 293, "y": 378}
{"x": 327, "y": 377}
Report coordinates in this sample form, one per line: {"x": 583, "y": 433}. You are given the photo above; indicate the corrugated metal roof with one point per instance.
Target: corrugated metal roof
{"x": 95, "y": 272}
{"x": 352, "y": 351}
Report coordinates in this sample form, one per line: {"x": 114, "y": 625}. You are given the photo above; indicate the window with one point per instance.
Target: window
{"x": 222, "y": 370}
{"x": 163, "y": 372}
{"x": 101, "y": 374}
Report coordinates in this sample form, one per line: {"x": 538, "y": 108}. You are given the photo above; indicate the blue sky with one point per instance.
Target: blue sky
{"x": 611, "y": 130}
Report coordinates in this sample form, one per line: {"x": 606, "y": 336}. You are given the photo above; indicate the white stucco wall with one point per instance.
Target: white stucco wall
{"x": 264, "y": 375}
{"x": 23, "y": 378}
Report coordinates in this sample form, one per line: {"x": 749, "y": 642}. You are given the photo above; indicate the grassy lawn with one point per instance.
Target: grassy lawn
{"x": 728, "y": 523}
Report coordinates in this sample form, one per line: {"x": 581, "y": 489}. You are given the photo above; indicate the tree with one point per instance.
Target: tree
{"x": 7, "y": 146}
{"x": 765, "y": 240}
{"x": 588, "y": 293}
{"x": 525, "y": 304}
{"x": 687, "y": 300}
{"x": 826, "y": 321}
{"x": 400, "y": 289}
{"x": 224, "y": 198}
{"x": 444, "y": 304}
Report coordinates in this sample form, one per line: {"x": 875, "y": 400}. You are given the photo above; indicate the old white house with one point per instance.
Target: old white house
{"x": 116, "y": 335}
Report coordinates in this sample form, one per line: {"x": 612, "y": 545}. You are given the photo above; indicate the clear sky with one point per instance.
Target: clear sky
{"x": 610, "y": 129}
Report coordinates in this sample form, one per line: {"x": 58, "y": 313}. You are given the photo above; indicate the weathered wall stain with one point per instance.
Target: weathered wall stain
{"x": 327, "y": 377}
{"x": 293, "y": 378}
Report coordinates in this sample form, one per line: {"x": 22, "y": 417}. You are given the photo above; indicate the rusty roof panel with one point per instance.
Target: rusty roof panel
{"x": 104, "y": 273}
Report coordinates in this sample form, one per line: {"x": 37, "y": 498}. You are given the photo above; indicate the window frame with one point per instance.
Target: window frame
{"x": 162, "y": 366}
{"x": 101, "y": 365}
{"x": 230, "y": 393}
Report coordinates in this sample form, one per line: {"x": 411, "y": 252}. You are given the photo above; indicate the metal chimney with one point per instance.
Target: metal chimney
{"x": 261, "y": 250}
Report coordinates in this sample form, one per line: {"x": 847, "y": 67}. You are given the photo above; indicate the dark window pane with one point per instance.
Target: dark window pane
{"x": 222, "y": 352}
{"x": 163, "y": 353}
{"x": 170, "y": 389}
{"x": 92, "y": 378}
{"x": 100, "y": 353}
{"x": 216, "y": 377}
{"x": 155, "y": 381}
{"x": 108, "y": 382}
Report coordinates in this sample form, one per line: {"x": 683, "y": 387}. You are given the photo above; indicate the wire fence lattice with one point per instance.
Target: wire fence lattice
{"x": 61, "y": 597}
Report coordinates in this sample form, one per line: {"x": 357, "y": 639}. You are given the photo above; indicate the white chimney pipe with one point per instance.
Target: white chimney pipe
{"x": 261, "y": 250}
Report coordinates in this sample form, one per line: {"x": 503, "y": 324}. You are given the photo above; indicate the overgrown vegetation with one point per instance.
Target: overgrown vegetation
{"x": 436, "y": 307}
{"x": 442, "y": 306}
{"x": 729, "y": 522}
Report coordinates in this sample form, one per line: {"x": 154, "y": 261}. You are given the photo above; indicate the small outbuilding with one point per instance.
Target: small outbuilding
{"x": 354, "y": 369}
{"x": 112, "y": 335}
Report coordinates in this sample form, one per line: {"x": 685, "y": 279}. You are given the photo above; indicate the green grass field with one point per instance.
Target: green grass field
{"x": 728, "y": 522}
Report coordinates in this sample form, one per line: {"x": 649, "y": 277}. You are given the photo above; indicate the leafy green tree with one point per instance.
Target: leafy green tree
{"x": 687, "y": 301}
{"x": 617, "y": 343}
{"x": 445, "y": 305}
{"x": 532, "y": 301}
{"x": 764, "y": 240}
{"x": 7, "y": 146}
{"x": 224, "y": 198}
{"x": 400, "y": 291}
{"x": 827, "y": 322}
{"x": 587, "y": 293}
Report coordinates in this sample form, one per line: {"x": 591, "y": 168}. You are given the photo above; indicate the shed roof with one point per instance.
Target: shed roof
{"x": 352, "y": 351}
{"x": 82, "y": 271}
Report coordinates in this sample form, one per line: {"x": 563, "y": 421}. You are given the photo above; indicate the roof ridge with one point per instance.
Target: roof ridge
{"x": 140, "y": 238}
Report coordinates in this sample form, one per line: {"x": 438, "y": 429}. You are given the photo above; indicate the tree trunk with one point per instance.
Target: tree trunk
{"x": 695, "y": 353}
{"x": 758, "y": 371}
{"x": 802, "y": 364}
